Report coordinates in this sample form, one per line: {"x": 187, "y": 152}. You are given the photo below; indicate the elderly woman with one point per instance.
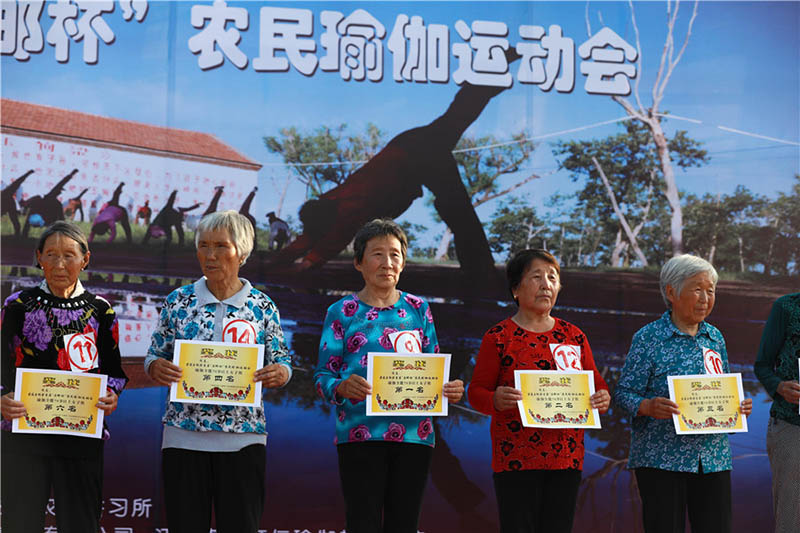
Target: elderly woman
{"x": 536, "y": 471}
{"x": 677, "y": 472}
{"x": 777, "y": 369}
{"x": 36, "y": 322}
{"x": 216, "y": 453}
{"x": 383, "y": 460}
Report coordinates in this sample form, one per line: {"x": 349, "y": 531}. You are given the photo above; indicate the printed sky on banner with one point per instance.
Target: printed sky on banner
{"x": 245, "y": 70}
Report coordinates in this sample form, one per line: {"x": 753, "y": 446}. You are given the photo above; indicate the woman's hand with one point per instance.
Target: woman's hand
{"x": 163, "y": 372}
{"x": 108, "y": 403}
{"x": 789, "y": 391}
{"x": 506, "y": 398}
{"x": 354, "y": 388}
{"x": 272, "y": 376}
{"x": 658, "y": 407}
{"x": 11, "y": 408}
{"x": 454, "y": 390}
{"x": 747, "y": 406}
{"x": 600, "y": 400}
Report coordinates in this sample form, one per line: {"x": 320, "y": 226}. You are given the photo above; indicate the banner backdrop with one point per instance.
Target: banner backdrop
{"x": 613, "y": 134}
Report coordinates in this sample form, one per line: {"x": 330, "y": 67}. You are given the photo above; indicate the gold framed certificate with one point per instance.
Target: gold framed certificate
{"x": 59, "y": 402}
{"x": 217, "y": 373}
{"x": 555, "y": 399}
{"x": 709, "y": 403}
{"x": 407, "y": 384}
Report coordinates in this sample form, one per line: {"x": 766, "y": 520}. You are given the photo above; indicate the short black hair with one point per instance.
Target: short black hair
{"x": 379, "y": 227}
{"x": 519, "y": 263}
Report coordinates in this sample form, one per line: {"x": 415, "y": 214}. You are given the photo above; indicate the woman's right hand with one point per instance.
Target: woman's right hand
{"x": 658, "y": 407}
{"x": 354, "y": 388}
{"x": 11, "y": 408}
{"x": 163, "y": 372}
{"x": 506, "y": 398}
{"x": 789, "y": 391}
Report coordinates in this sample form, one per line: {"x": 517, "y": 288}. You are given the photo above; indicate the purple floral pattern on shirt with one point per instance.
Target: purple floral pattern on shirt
{"x": 395, "y": 433}
{"x": 384, "y": 340}
{"x": 415, "y": 302}
{"x": 424, "y": 429}
{"x": 401, "y": 313}
{"x": 338, "y": 330}
{"x": 349, "y": 308}
{"x": 356, "y": 341}
{"x": 36, "y": 330}
{"x": 360, "y": 433}
{"x": 336, "y": 363}
{"x": 65, "y": 316}
{"x": 372, "y": 314}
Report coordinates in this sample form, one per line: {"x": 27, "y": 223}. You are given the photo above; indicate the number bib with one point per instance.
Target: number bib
{"x": 712, "y": 361}
{"x": 238, "y": 331}
{"x": 81, "y": 349}
{"x": 406, "y": 341}
{"x": 567, "y": 356}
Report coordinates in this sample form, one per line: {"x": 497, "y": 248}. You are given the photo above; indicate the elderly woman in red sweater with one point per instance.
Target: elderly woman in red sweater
{"x": 536, "y": 471}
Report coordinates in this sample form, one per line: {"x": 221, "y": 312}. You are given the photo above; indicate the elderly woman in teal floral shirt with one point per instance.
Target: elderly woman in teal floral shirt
{"x": 676, "y": 473}
{"x": 216, "y": 454}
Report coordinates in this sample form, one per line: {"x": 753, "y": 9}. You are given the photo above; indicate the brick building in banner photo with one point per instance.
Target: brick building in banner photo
{"x": 152, "y": 161}
{"x": 45, "y": 144}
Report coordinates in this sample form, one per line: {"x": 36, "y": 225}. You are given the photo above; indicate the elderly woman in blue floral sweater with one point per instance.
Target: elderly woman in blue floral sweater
{"x": 677, "y": 473}
{"x": 383, "y": 460}
{"x": 214, "y": 454}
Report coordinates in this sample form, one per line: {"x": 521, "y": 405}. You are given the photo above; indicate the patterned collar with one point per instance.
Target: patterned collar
{"x": 75, "y": 293}
{"x": 668, "y": 329}
{"x": 205, "y": 297}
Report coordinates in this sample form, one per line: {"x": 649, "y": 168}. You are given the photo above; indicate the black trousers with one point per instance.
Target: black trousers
{"x": 536, "y": 501}
{"x": 383, "y": 484}
{"x": 233, "y": 482}
{"x": 667, "y": 496}
{"x": 77, "y": 485}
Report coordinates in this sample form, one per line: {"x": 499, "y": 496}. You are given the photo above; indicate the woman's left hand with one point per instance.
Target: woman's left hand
{"x": 600, "y": 400}
{"x": 108, "y": 403}
{"x": 454, "y": 390}
{"x": 272, "y": 376}
{"x": 747, "y": 406}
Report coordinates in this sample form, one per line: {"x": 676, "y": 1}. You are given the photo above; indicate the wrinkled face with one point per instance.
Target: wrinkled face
{"x": 217, "y": 255}
{"x": 695, "y": 301}
{"x": 62, "y": 260}
{"x": 539, "y": 287}
{"x": 382, "y": 262}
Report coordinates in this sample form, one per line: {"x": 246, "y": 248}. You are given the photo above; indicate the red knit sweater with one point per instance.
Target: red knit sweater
{"x": 507, "y": 347}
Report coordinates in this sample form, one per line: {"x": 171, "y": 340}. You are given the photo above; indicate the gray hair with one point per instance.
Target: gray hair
{"x": 65, "y": 228}
{"x": 238, "y": 226}
{"x": 677, "y": 270}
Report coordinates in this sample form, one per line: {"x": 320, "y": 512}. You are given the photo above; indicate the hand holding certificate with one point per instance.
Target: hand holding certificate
{"x": 59, "y": 402}
{"x": 218, "y": 373}
{"x": 553, "y": 399}
{"x": 709, "y": 403}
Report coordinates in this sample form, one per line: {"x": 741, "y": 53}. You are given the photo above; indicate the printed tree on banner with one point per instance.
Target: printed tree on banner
{"x": 650, "y": 116}
{"x": 483, "y": 162}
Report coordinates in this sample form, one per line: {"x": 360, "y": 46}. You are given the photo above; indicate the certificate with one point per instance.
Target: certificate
{"x": 709, "y": 403}
{"x": 407, "y": 384}
{"x": 59, "y": 402}
{"x": 555, "y": 399}
{"x": 217, "y": 373}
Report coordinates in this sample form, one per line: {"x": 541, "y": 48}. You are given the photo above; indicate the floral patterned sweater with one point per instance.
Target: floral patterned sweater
{"x": 507, "y": 347}
{"x": 193, "y": 313}
{"x": 352, "y": 329}
{"x": 34, "y": 326}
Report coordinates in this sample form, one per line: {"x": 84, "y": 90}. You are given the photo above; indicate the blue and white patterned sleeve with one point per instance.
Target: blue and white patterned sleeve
{"x": 162, "y": 341}
{"x": 276, "y": 351}
{"x": 632, "y": 385}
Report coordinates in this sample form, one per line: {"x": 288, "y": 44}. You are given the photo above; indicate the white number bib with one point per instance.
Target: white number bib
{"x": 406, "y": 341}
{"x": 567, "y": 356}
{"x": 238, "y": 331}
{"x": 81, "y": 349}
{"x": 712, "y": 361}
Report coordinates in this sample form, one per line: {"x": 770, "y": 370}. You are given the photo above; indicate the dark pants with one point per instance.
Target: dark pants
{"x": 383, "y": 483}
{"x": 232, "y": 481}
{"x": 666, "y": 496}
{"x": 77, "y": 485}
{"x": 536, "y": 501}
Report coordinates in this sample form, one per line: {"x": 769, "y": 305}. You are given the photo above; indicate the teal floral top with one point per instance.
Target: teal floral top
{"x": 778, "y": 354}
{"x": 193, "y": 313}
{"x": 659, "y": 350}
{"x": 352, "y": 329}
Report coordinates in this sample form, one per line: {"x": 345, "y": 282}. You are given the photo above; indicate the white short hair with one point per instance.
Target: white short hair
{"x": 238, "y": 226}
{"x": 680, "y": 268}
